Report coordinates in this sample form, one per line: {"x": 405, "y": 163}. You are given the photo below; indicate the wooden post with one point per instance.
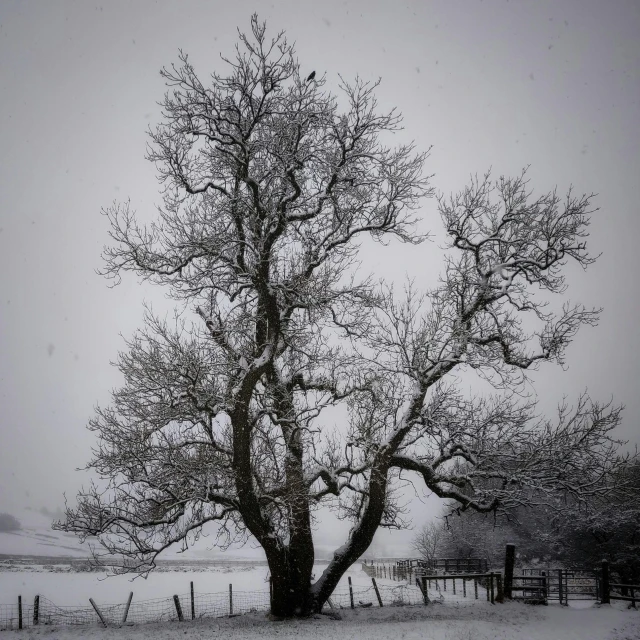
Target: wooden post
{"x": 126, "y": 609}
{"x": 176, "y": 601}
{"x": 193, "y": 604}
{"x": 464, "y": 588}
{"x": 95, "y": 606}
{"x": 444, "y": 582}
{"x": 500, "y": 596}
{"x": 509, "y": 564}
{"x": 19, "y": 612}
{"x": 230, "y": 600}
{"x": 36, "y": 609}
{"x": 425, "y": 594}
{"x": 633, "y": 597}
{"x": 351, "y": 592}
{"x": 375, "y": 586}
{"x": 605, "y": 597}
{"x": 560, "y": 585}
{"x": 475, "y": 586}
{"x": 454, "y": 586}
{"x": 545, "y": 592}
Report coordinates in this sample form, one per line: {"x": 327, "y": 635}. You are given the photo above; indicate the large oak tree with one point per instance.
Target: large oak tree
{"x": 270, "y": 181}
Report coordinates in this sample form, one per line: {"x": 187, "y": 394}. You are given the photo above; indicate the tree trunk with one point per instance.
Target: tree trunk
{"x": 292, "y": 596}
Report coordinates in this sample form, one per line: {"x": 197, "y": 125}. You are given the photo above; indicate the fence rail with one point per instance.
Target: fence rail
{"x": 446, "y": 565}
{"x": 531, "y": 589}
{"x": 625, "y": 589}
{"x": 490, "y": 582}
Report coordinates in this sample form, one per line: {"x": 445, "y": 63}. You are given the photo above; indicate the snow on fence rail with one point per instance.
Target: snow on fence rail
{"x": 199, "y": 605}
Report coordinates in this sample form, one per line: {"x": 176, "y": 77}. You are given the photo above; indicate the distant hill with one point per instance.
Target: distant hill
{"x": 35, "y": 537}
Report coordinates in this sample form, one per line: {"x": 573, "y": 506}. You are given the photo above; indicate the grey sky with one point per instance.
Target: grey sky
{"x": 494, "y": 83}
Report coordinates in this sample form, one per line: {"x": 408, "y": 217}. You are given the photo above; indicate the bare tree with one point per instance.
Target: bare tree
{"x": 427, "y": 540}
{"x": 269, "y": 182}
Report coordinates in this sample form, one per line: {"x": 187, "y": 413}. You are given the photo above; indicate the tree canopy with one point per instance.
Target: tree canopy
{"x": 269, "y": 181}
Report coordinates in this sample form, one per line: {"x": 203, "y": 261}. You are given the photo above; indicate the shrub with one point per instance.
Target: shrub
{"x": 9, "y": 523}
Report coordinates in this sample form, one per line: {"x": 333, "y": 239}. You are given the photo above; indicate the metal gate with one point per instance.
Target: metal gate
{"x": 561, "y": 585}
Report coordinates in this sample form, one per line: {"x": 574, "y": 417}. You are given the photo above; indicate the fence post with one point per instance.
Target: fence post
{"x": 36, "y": 609}
{"x": 493, "y": 594}
{"x": 230, "y": 600}
{"x": 509, "y": 564}
{"x": 193, "y": 604}
{"x": 454, "y": 586}
{"x": 126, "y": 609}
{"x": 19, "y": 612}
{"x": 350, "y": 592}
{"x": 605, "y": 598}
{"x": 545, "y": 592}
{"x": 475, "y": 586}
{"x": 176, "y": 601}
{"x": 500, "y": 596}
{"x": 560, "y": 589}
{"x": 95, "y": 606}
{"x": 464, "y": 588}
{"x": 375, "y": 586}
{"x": 425, "y": 595}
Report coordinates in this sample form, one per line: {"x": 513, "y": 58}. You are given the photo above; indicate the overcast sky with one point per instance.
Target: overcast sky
{"x": 494, "y": 84}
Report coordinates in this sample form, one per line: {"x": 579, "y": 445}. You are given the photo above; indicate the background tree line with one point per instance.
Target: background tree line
{"x": 563, "y": 532}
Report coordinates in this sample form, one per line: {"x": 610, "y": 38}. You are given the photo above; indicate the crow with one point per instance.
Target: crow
{"x": 312, "y": 75}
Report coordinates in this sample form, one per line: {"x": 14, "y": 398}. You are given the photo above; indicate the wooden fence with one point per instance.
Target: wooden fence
{"x": 445, "y": 565}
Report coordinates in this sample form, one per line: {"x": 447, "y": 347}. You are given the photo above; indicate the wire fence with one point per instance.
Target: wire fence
{"x": 202, "y": 605}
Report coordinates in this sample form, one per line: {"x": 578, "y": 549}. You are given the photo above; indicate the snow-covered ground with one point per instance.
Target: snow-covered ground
{"x": 438, "y": 622}
{"x": 70, "y": 588}
{"x": 449, "y": 617}
{"x": 63, "y": 588}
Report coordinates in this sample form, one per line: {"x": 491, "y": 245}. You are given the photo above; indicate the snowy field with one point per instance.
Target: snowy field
{"x": 438, "y": 622}
{"x": 447, "y": 618}
{"x": 67, "y": 588}
{"x": 70, "y": 588}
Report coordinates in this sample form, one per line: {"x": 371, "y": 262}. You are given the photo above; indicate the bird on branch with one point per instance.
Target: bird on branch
{"x": 312, "y": 75}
